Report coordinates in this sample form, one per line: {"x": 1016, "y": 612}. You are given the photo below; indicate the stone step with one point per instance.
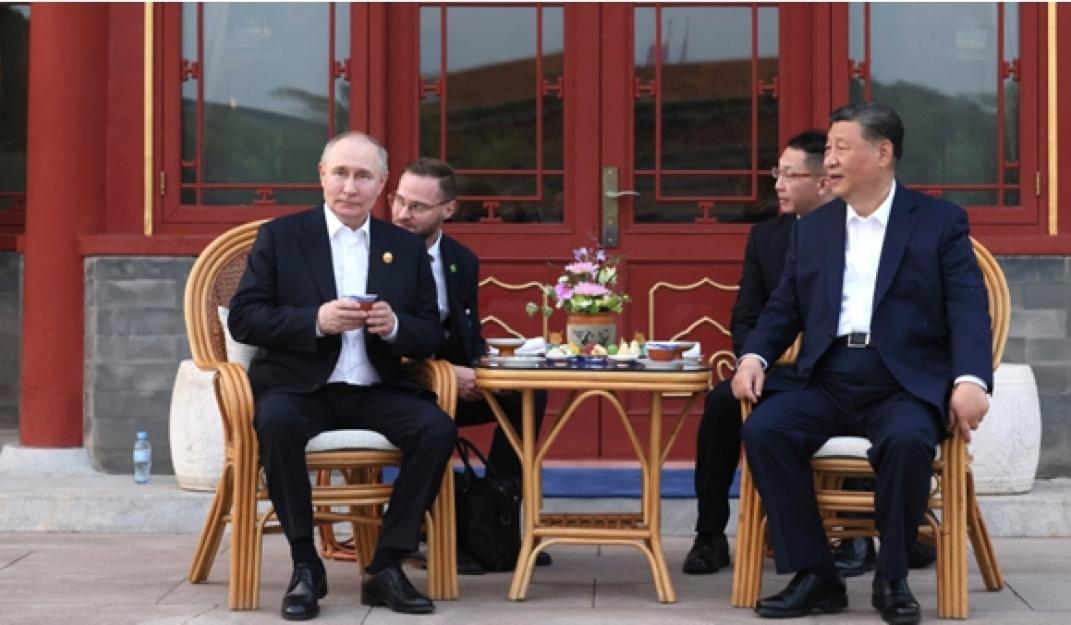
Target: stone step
{"x": 101, "y": 503}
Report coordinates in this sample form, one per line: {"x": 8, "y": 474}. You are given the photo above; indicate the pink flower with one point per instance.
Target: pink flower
{"x": 582, "y": 267}
{"x": 563, "y": 291}
{"x": 592, "y": 289}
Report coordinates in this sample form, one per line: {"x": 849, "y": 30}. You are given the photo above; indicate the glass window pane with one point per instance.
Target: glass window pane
{"x": 491, "y": 103}
{"x": 14, "y": 57}
{"x": 342, "y": 54}
{"x": 266, "y": 77}
{"x": 490, "y": 60}
{"x": 706, "y": 88}
{"x": 935, "y": 63}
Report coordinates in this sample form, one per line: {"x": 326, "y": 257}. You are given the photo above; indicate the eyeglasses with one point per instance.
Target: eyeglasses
{"x": 413, "y": 207}
{"x": 780, "y": 173}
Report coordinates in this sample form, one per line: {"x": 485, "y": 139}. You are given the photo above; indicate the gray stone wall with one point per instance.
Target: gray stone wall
{"x": 10, "y": 337}
{"x": 135, "y": 339}
{"x": 1041, "y": 302}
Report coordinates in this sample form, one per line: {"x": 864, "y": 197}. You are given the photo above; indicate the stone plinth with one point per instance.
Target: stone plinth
{"x": 1007, "y": 446}
{"x": 196, "y": 429}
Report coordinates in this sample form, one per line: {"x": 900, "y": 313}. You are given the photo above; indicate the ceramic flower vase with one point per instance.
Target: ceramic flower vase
{"x": 598, "y": 328}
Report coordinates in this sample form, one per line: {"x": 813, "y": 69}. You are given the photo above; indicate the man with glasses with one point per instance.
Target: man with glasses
{"x": 425, "y": 198}
{"x": 328, "y": 363}
{"x": 800, "y": 188}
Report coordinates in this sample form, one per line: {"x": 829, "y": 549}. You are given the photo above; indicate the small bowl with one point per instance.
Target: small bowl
{"x": 505, "y": 346}
{"x": 661, "y": 352}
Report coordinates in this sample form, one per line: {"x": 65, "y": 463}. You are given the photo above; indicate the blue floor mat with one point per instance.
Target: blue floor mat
{"x": 593, "y": 482}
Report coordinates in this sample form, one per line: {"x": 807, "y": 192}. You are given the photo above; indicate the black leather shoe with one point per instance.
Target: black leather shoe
{"x": 708, "y": 554}
{"x": 543, "y": 559}
{"x": 855, "y": 556}
{"x": 306, "y": 587}
{"x": 390, "y": 587}
{"x": 806, "y": 593}
{"x": 894, "y": 600}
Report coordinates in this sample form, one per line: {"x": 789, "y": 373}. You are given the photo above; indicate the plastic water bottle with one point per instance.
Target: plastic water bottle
{"x": 142, "y": 458}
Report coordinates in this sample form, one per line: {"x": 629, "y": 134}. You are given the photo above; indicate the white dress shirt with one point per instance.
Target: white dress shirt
{"x": 349, "y": 258}
{"x": 863, "y": 239}
{"x": 437, "y": 271}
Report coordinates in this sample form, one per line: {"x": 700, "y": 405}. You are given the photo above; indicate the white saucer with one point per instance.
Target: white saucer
{"x": 660, "y": 364}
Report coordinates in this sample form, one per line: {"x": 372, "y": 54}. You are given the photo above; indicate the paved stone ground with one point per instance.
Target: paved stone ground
{"x": 115, "y": 579}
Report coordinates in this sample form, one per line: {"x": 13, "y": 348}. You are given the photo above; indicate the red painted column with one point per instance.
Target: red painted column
{"x": 65, "y": 181}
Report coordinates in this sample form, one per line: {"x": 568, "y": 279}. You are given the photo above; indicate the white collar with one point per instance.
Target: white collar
{"x": 334, "y": 224}
{"x": 881, "y": 215}
{"x": 434, "y": 249}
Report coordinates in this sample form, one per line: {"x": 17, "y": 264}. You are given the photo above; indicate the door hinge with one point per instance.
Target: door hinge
{"x": 1037, "y": 184}
{"x": 163, "y": 183}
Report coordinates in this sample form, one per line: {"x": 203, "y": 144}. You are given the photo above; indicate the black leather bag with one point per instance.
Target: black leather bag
{"x": 488, "y": 512}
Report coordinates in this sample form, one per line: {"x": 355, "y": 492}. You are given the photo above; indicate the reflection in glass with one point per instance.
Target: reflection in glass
{"x": 14, "y": 57}
{"x": 265, "y": 79}
{"x": 935, "y": 64}
{"x": 697, "y": 71}
{"x": 490, "y": 104}
{"x": 477, "y": 191}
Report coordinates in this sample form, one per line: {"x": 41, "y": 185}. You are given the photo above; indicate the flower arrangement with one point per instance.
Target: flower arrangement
{"x": 588, "y": 285}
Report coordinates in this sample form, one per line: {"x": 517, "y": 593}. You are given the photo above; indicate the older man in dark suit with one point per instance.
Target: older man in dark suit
{"x": 425, "y": 199}
{"x": 328, "y": 364}
{"x": 884, "y": 286}
{"x": 801, "y": 187}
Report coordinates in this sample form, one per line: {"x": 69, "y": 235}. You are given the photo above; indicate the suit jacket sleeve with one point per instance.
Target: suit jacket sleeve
{"x": 750, "y": 298}
{"x": 780, "y": 321}
{"x": 471, "y": 303}
{"x": 257, "y": 317}
{"x": 966, "y": 304}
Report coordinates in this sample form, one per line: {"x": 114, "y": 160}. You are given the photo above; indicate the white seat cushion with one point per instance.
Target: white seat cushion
{"x": 844, "y": 447}
{"x": 334, "y": 440}
{"x": 849, "y": 447}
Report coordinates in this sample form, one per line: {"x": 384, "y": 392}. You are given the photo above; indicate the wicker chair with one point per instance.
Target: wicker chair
{"x": 844, "y": 457}
{"x": 357, "y": 498}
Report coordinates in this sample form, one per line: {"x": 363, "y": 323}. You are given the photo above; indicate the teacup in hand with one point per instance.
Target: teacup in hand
{"x": 364, "y": 301}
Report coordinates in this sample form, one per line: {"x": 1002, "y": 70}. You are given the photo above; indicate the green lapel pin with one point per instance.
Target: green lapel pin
{"x": 453, "y": 268}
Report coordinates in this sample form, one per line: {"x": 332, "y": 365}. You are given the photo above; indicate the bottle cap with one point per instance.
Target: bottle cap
{"x": 143, "y": 435}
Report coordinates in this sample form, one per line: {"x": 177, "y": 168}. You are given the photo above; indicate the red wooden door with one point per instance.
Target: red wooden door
{"x": 541, "y": 107}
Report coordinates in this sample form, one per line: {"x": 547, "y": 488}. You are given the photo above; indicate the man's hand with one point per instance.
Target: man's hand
{"x": 380, "y": 319}
{"x": 967, "y": 408}
{"x": 748, "y": 379}
{"x": 466, "y": 383}
{"x": 340, "y": 315}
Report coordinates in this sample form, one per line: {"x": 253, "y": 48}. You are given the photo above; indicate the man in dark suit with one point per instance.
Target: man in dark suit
{"x": 328, "y": 364}
{"x": 425, "y": 198}
{"x": 801, "y": 187}
{"x": 884, "y": 286}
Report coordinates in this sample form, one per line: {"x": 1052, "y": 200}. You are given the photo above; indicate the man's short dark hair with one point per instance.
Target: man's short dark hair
{"x": 440, "y": 170}
{"x": 813, "y": 145}
{"x": 879, "y": 121}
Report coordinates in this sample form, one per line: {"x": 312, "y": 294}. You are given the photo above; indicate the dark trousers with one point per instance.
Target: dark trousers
{"x": 717, "y": 453}
{"x": 285, "y": 422}
{"x": 501, "y": 457}
{"x": 850, "y": 393}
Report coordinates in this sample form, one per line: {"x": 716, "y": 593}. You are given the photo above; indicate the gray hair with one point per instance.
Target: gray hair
{"x": 381, "y": 152}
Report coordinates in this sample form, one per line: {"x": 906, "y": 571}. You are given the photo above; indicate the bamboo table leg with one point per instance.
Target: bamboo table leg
{"x": 531, "y": 502}
{"x": 652, "y": 502}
